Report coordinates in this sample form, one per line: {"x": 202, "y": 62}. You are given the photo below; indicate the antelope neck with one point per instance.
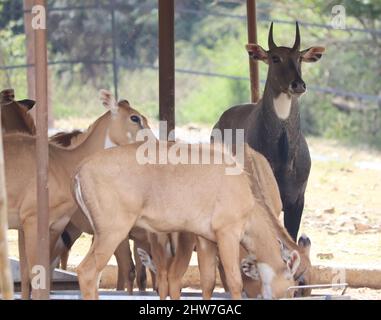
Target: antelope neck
{"x": 282, "y": 105}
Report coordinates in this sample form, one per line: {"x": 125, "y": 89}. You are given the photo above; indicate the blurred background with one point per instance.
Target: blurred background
{"x": 91, "y": 42}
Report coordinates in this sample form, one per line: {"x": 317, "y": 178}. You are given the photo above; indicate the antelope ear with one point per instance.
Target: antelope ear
{"x": 146, "y": 260}
{"x": 281, "y": 244}
{"x": 284, "y": 252}
{"x": 293, "y": 262}
{"x": 7, "y": 95}
{"x": 312, "y": 54}
{"x": 27, "y": 103}
{"x": 124, "y": 103}
{"x": 256, "y": 52}
{"x": 249, "y": 267}
{"x": 108, "y": 101}
{"x": 305, "y": 244}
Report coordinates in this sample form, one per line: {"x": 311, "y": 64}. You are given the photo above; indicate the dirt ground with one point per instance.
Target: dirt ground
{"x": 342, "y": 213}
{"x": 343, "y": 205}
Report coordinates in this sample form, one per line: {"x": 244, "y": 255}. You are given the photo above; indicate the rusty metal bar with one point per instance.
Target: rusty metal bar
{"x": 30, "y": 51}
{"x": 252, "y": 37}
{"x": 342, "y": 286}
{"x": 167, "y": 65}
{"x": 29, "y": 42}
{"x": 41, "y": 72}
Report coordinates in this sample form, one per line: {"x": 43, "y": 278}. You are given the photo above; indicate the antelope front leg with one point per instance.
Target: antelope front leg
{"x": 55, "y": 239}
{"x": 222, "y": 276}
{"x": 64, "y": 244}
{"x": 161, "y": 260}
{"x": 141, "y": 274}
{"x": 126, "y": 268}
{"x": 206, "y": 256}
{"x": 30, "y": 235}
{"x": 180, "y": 263}
{"x": 64, "y": 258}
{"x": 228, "y": 246}
{"x": 24, "y": 268}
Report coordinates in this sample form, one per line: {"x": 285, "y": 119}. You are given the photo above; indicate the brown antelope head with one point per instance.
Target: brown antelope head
{"x": 285, "y": 74}
{"x": 126, "y": 121}
{"x": 283, "y": 279}
{"x": 303, "y": 276}
{"x": 14, "y": 114}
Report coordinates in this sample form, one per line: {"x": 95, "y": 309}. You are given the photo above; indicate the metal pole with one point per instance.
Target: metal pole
{"x": 114, "y": 57}
{"x": 30, "y": 50}
{"x": 29, "y": 41}
{"x": 167, "y": 65}
{"x": 252, "y": 37}
{"x": 43, "y": 254}
{"x": 6, "y": 281}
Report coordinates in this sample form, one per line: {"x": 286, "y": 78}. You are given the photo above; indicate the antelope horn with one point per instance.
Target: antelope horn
{"x": 297, "y": 38}
{"x": 272, "y": 44}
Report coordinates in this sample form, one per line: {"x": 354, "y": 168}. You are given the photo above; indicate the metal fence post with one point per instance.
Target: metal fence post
{"x": 114, "y": 54}
{"x": 252, "y": 37}
{"x": 167, "y": 65}
{"x": 41, "y": 69}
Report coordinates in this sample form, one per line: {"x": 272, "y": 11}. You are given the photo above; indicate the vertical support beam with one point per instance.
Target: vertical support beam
{"x": 41, "y": 68}
{"x": 6, "y": 280}
{"x": 114, "y": 57}
{"x": 252, "y": 37}
{"x": 167, "y": 65}
{"x": 30, "y": 50}
{"x": 29, "y": 42}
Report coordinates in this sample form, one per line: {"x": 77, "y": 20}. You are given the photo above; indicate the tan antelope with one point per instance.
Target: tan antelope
{"x": 265, "y": 189}
{"x": 79, "y": 224}
{"x": 117, "y": 192}
{"x": 15, "y": 118}
{"x": 268, "y": 199}
{"x": 118, "y": 126}
{"x": 252, "y": 285}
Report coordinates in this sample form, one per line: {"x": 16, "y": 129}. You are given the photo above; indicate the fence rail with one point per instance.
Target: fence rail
{"x": 324, "y": 90}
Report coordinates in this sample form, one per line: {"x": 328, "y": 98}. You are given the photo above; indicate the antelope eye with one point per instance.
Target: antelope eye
{"x": 135, "y": 119}
{"x": 275, "y": 59}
